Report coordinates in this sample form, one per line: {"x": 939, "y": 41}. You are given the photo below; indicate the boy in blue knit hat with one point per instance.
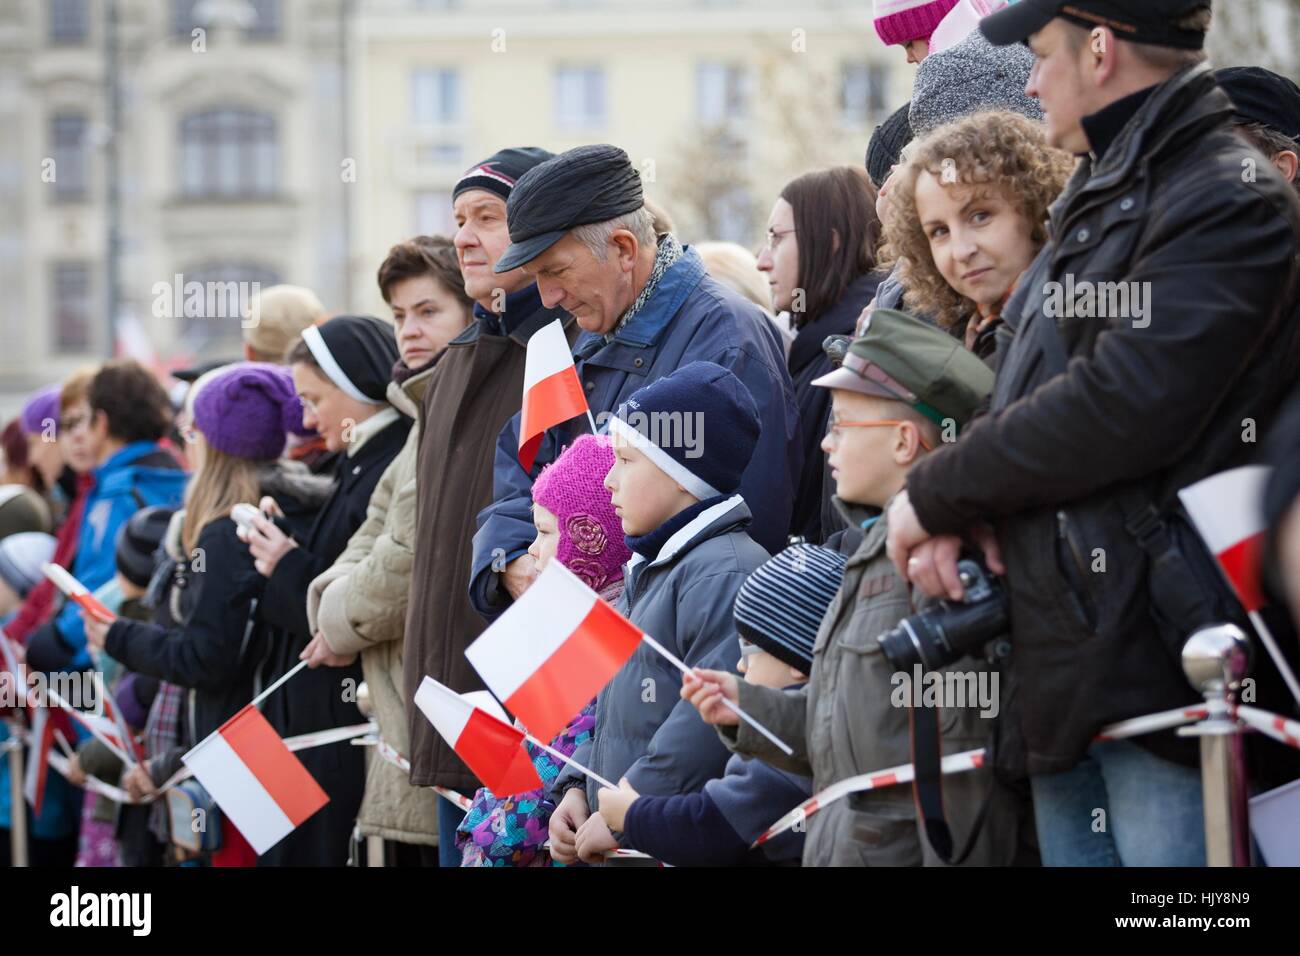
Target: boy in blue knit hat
{"x": 778, "y": 611}
{"x": 681, "y": 445}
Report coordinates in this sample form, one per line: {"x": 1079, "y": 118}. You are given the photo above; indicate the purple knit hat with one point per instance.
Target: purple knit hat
{"x": 573, "y": 489}
{"x": 899, "y": 22}
{"x": 247, "y": 409}
{"x": 40, "y": 407}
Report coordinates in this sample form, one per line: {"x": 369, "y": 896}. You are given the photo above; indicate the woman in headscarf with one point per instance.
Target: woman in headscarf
{"x": 341, "y": 370}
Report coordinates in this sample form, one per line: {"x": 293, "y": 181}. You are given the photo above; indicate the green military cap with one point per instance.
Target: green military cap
{"x": 904, "y": 359}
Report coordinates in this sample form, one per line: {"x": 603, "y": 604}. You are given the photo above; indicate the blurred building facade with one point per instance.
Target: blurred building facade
{"x": 717, "y": 102}
{"x": 226, "y": 165}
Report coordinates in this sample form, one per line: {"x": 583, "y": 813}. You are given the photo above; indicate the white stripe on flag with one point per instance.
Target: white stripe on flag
{"x": 548, "y": 353}
{"x": 1226, "y": 508}
{"x": 549, "y": 612}
{"x": 446, "y": 710}
{"x": 239, "y": 793}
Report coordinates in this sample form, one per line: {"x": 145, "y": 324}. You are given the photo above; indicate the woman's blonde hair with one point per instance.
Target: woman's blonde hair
{"x": 221, "y": 481}
{"x": 736, "y": 266}
{"x": 998, "y": 153}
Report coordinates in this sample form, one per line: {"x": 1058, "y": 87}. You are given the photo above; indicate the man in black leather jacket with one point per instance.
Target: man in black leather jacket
{"x": 1151, "y": 339}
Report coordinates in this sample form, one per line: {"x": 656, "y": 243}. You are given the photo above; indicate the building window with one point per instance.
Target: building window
{"x": 731, "y": 215}
{"x": 73, "y": 309}
{"x": 721, "y": 93}
{"x": 862, "y": 93}
{"x": 228, "y": 288}
{"x": 435, "y": 97}
{"x": 69, "y": 21}
{"x": 579, "y": 96}
{"x": 71, "y": 162}
{"x": 229, "y": 154}
{"x": 261, "y": 19}
{"x": 433, "y": 213}
{"x": 267, "y": 25}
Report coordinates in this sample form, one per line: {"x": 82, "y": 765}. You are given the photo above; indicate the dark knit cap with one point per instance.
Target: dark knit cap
{"x": 972, "y": 76}
{"x": 1262, "y": 96}
{"x": 248, "y": 409}
{"x": 585, "y": 185}
{"x": 357, "y": 353}
{"x": 22, "y": 509}
{"x": 699, "y": 425}
{"x": 886, "y": 146}
{"x": 500, "y": 171}
{"x": 781, "y": 605}
{"x": 139, "y": 538}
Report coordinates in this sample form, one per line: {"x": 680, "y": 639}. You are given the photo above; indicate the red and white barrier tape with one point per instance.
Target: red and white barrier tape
{"x": 1287, "y": 731}
{"x": 1279, "y": 728}
{"x": 955, "y": 763}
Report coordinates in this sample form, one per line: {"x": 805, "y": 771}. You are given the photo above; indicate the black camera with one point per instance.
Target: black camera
{"x": 950, "y": 630}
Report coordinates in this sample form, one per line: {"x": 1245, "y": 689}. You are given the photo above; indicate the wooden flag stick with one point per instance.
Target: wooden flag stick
{"x": 735, "y": 708}
{"x": 569, "y": 761}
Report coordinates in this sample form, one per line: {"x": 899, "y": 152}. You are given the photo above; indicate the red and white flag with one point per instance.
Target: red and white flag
{"x": 553, "y": 650}
{"x": 1228, "y": 513}
{"x": 255, "y": 779}
{"x": 552, "y": 390}
{"x": 130, "y": 744}
{"x": 38, "y": 761}
{"x": 78, "y": 592}
{"x": 477, "y": 729}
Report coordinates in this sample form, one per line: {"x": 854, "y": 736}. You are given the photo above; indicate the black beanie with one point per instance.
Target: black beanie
{"x": 357, "y": 353}
{"x": 139, "y": 538}
{"x": 886, "y": 146}
{"x": 500, "y": 171}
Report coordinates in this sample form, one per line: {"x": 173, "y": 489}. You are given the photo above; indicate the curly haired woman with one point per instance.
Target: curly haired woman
{"x": 967, "y": 215}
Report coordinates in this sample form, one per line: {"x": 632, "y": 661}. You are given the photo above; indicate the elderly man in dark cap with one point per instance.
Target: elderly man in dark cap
{"x": 1266, "y": 114}
{"x": 646, "y": 306}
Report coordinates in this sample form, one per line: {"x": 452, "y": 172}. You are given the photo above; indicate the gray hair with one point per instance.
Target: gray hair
{"x": 595, "y": 235}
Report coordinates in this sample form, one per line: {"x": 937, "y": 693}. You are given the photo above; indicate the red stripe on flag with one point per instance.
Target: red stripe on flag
{"x": 884, "y": 780}
{"x": 282, "y": 774}
{"x": 568, "y": 679}
{"x": 553, "y": 400}
{"x": 495, "y": 752}
{"x": 1241, "y": 563}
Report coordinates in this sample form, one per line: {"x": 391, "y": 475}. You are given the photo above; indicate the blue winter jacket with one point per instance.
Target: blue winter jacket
{"x": 690, "y": 317}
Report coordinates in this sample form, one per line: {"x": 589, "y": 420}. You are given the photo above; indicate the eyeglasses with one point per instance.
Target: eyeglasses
{"x": 747, "y": 648}
{"x": 882, "y": 423}
{"x": 774, "y": 237}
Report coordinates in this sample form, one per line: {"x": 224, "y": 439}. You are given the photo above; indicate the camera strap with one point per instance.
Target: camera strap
{"x": 927, "y": 787}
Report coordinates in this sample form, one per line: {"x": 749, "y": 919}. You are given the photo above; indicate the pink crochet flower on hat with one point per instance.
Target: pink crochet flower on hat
{"x": 586, "y": 533}
{"x": 591, "y": 544}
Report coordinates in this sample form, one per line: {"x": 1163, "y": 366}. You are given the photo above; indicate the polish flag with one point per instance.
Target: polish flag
{"x": 256, "y": 779}
{"x": 478, "y": 730}
{"x": 38, "y": 763}
{"x": 130, "y": 744}
{"x": 553, "y": 650}
{"x": 1227, "y": 511}
{"x": 78, "y": 592}
{"x": 552, "y": 390}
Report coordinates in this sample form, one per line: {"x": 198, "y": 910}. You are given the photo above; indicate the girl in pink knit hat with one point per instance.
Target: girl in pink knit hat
{"x": 576, "y": 525}
{"x": 922, "y": 27}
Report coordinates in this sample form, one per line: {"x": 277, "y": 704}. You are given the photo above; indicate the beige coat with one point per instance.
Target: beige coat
{"x": 359, "y": 604}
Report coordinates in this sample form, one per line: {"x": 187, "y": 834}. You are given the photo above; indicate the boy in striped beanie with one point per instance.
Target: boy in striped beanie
{"x": 777, "y": 613}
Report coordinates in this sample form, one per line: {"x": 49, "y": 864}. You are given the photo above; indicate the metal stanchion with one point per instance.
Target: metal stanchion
{"x": 17, "y": 801}
{"x": 1215, "y": 659}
